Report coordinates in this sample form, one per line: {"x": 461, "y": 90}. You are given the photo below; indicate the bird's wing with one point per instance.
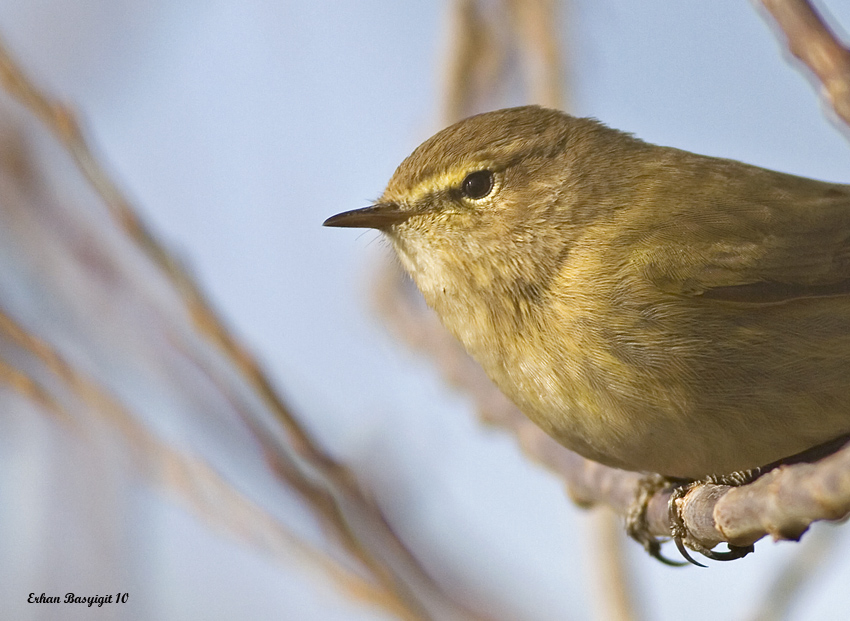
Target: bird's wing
{"x": 790, "y": 242}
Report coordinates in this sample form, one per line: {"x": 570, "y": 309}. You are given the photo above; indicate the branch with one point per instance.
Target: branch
{"x": 615, "y": 593}
{"x": 811, "y": 41}
{"x": 80, "y": 263}
{"x": 482, "y": 42}
{"x": 539, "y": 41}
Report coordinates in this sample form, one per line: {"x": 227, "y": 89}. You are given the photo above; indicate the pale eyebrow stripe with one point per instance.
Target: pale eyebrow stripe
{"x": 447, "y": 179}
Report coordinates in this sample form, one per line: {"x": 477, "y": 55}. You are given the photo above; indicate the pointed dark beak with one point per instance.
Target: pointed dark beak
{"x": 378, "y": 216}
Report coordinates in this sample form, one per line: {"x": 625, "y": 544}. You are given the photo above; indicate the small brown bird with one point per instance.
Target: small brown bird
{"x": 651, "y": 309}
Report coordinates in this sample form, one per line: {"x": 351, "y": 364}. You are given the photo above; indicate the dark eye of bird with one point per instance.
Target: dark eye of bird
{"x": 477, "y": 184}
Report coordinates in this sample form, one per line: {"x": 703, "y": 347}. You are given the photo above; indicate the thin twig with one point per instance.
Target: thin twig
{"x": 188, "y": 478}
{"x": 539, "y": 40}
{"x": 616, "y": 598}
{"x": 329, "y": 488}
{"x": 474, "y": 60}
{"x": 797, "y": 574}
{"x": 811, "y": 41}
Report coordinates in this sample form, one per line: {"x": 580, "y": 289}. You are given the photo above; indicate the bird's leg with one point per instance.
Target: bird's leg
{"x": 679, "y": 531}
{"x": 638, "y": 528}
{"x": 636, "y": 520}
{"x": 637, "y": 525}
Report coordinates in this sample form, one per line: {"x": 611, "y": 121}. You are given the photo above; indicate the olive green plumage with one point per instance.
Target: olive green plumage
{"x": 649, "y": 308}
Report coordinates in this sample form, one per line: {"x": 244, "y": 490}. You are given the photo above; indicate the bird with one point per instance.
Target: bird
{"x": 651, "y": 309}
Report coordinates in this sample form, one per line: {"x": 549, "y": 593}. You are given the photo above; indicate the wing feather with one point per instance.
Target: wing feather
{"x": 772, "y": 238}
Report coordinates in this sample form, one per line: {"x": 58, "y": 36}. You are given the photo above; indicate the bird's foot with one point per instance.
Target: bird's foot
{"x": 637, "y": 522}
{"x": 637, "y": 525}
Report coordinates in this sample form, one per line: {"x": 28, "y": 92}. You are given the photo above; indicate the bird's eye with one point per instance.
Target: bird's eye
{"x": 477, "y": 184}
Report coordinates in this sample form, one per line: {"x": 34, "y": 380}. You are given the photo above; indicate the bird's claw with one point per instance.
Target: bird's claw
{"x": 638, "y": 528}
{"x": 637, "y": 525}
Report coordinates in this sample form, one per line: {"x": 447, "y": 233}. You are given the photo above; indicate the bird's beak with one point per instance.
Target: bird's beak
{"x": 378, "y": 216}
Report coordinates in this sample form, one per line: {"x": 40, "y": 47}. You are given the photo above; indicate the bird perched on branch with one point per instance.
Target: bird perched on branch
{"x": 649, "y": 308}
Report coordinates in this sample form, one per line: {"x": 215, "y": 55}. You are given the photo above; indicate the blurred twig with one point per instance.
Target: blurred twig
{"x": 811, "y": 41}
{"x": 396, "y": 580}
{"x": 473, "y": 60}
{"x": 195, "y": 481}
{"x": 483, "y": 42}
{"x": 539, "y": 39}
{"x": 798, "y": 572}
{"x": 616, "y": 598}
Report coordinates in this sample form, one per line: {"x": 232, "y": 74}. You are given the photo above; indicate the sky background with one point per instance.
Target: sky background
{"x": 238, "y": 127}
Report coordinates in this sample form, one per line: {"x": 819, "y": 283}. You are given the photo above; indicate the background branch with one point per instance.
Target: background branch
{"x": 368, "y": 559}
{"x": 814, "y": 44}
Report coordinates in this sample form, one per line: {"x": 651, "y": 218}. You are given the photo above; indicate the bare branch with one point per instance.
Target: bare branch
{"x": 811, "y": 41}
{"x": 474, "y": 60}
{"x": 479, "y": 61}
{"x": 369, "y": 560}
{"x": 616, "y": 596}
{"x": 539, "y": 41}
